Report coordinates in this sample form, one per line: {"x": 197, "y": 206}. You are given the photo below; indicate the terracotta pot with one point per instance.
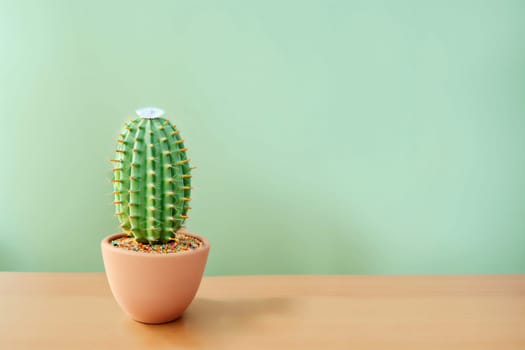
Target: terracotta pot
{"x": 154, "y": 288}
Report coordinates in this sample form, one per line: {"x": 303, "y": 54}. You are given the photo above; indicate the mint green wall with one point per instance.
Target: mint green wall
{"x": 330, "y": 136}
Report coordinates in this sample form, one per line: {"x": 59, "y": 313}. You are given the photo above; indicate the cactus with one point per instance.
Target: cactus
{"x": 151, "y": 178}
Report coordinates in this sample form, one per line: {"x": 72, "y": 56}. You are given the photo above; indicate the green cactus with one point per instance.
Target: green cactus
{"x": 151, "y": 178}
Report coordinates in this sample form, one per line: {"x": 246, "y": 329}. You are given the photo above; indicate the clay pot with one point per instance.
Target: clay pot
{"x": 154, "y": 288}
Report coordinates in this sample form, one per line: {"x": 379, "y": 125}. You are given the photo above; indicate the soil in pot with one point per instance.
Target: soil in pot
{"x": 180, "y": 243}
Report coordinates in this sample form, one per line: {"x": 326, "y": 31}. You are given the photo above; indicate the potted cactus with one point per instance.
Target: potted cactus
{"x": 154, "y": 266}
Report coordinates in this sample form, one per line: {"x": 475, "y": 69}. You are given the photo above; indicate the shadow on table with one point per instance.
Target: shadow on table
{"x": 208, "y": 317}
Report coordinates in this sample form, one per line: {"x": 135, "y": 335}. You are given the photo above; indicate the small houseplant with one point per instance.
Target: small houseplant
{"x": 154, "y": 267}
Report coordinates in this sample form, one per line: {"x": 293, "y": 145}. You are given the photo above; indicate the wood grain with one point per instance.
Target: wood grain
{"x": 77, "y": 311}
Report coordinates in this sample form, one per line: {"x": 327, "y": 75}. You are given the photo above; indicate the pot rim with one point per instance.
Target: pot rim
{"x": 106, "y": 244}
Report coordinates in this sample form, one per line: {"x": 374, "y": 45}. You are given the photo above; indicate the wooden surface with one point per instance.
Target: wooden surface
{"x": 77, "y": 311}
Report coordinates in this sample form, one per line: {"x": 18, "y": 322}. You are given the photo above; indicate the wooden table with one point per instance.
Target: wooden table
{"x": 77, "y": 311}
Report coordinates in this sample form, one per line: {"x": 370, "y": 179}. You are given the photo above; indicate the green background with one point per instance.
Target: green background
{"x": 330, "y": 136}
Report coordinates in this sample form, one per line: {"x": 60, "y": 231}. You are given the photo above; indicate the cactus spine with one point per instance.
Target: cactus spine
{"x": 151, "y": 180}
